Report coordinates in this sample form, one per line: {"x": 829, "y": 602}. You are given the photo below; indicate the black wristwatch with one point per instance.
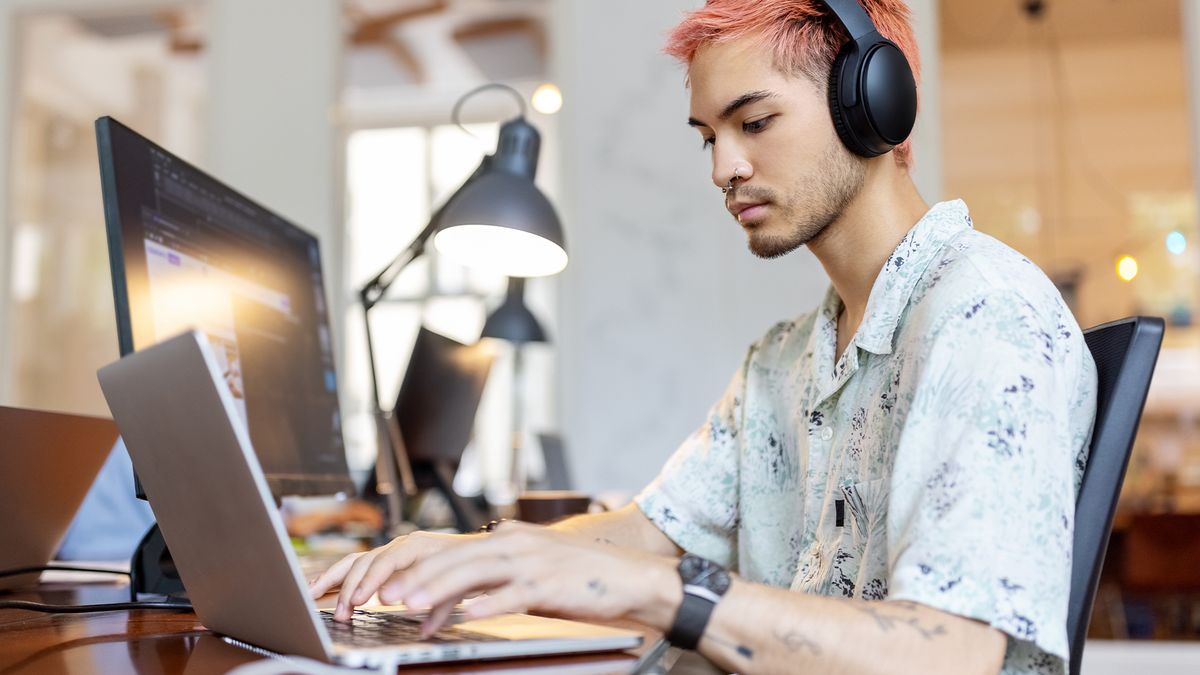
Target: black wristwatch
{"x": 704, "y": 582}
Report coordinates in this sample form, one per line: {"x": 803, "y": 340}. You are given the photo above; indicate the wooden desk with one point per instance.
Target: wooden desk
{"x": 154, "y": 641}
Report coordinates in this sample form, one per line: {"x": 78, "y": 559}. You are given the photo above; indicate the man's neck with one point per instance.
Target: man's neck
{"x": 854, "y": 248}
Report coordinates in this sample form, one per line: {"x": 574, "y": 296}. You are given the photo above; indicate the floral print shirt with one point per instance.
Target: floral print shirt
{"x": 936, "y": 461}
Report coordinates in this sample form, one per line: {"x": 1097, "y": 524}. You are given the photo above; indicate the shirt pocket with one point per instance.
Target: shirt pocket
{"x": 865, "y": 536}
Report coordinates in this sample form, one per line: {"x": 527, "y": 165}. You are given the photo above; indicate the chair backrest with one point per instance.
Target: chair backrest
{"x": 558, "y": 473}
{"x": 1125, "y": 352}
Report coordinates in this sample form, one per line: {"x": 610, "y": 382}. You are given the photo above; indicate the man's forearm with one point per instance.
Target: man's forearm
{"x": 627, "y": 527}
{"x": 759, "y": 629}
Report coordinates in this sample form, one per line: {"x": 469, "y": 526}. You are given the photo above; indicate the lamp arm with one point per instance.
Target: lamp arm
{"x": 373, "y": 291}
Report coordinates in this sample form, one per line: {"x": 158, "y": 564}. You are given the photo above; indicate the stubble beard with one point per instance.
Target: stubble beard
{"x": 813, "y": 204}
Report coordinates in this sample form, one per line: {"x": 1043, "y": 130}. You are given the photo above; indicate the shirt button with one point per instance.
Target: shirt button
{"x": 826, "y": 433}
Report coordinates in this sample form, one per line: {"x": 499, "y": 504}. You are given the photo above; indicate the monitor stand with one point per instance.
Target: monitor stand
{"x": 152, "y": 571}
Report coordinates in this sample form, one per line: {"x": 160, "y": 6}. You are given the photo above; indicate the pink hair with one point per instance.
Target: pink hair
{"x": 803, "y": 35}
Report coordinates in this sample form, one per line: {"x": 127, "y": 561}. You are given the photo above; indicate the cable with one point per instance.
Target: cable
{"x": 15, "y": 571}
{"x": 454, "y": 112}
{"x": 82, "y": 609}
{"x": 286, "y": 664}
{"x": 1066, "y": 109}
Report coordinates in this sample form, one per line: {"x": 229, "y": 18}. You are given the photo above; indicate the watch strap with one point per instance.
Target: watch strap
{"x": 690, "y": 620}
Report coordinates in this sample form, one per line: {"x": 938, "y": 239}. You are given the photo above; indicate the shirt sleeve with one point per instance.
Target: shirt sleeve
{"x": 694, "y": 498}
{"x": 981, "y": 512}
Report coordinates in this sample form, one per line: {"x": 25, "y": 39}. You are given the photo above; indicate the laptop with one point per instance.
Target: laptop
{"x": 48, "y": 462}
{"x": 208, "y": 492}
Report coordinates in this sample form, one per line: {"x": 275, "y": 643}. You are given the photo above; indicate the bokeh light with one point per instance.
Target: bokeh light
{"x": 1176, "y": 242}
{"x": 547, "y": 99}
{"x": 1127, "y": 268}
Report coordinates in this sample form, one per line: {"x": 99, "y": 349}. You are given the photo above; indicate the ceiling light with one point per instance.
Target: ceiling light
{"x": 547, "y": 99}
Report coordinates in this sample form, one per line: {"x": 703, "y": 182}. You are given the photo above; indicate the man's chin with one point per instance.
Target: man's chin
{"x": 769, "y": 246}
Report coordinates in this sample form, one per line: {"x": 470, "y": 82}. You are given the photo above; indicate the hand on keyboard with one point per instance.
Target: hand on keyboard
{"x": 359, "y": 575}
{"x": 519, "y": 567}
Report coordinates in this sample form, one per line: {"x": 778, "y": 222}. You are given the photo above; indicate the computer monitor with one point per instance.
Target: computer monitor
{"x": 439, "y": 397}
{"x": 187, "y": 251}
{"x": 435, "y": 411}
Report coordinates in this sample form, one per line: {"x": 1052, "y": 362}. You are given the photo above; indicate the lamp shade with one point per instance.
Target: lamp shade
{"x": 503, "y": 223}
{"x": 499, "y": 220}
{"x": 512, "y": 320}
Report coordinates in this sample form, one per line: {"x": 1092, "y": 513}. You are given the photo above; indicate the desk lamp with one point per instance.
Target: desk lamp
{"x": 497, "y": 220}
{"x": 512, "y": 321}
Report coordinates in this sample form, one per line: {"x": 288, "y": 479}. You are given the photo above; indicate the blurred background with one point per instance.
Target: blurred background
{"x": 1068, "y": 126}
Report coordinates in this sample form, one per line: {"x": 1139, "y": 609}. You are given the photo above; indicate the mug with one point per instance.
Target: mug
{"x": 546, "y": 506}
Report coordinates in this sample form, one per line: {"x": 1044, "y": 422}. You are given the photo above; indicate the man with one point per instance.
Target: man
{"x": 892, "y": 477}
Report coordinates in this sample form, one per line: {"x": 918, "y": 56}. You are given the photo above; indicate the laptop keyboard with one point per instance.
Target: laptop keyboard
{"x": 381, "y": 629}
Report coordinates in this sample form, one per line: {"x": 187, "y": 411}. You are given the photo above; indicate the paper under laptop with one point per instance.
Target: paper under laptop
{"x": 196, "y": 463}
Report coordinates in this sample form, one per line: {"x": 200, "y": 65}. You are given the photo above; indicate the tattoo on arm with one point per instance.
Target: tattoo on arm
{"x": 795, "y": 642}
{"x": 741, "y": 650}
{"x": 598, "y": 587}
{"x": 604, "y": 540}
{"x": 886, "y": 621}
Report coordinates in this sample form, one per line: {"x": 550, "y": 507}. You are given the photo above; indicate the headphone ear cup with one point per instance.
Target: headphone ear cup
{"x": 889, "y": 95}
{"x": 840, "y": 123}
{"x": 885, "y": 92}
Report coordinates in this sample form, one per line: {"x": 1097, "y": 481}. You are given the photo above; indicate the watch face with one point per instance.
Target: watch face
{"x": 697, "y": 571}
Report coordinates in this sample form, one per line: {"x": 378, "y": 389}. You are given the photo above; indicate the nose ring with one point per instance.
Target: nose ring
{"x": 736, "y": 175}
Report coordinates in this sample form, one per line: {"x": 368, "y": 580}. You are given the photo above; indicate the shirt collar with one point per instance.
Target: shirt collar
{"x": 894, "y": 285}
{"x": 822, "y": 343}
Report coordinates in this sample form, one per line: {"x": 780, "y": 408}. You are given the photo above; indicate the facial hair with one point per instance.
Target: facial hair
{"x": 812, "y": 204}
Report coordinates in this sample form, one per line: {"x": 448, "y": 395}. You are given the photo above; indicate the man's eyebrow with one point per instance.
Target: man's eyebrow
{"x": 736, "y": 104}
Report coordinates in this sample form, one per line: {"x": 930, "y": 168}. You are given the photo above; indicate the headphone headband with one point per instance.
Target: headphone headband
{"x": 853, "y": 18}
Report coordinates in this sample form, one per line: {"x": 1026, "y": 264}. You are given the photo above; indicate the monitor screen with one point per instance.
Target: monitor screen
{"x": 440, "y": 395}
{"x": 189, "y": 252}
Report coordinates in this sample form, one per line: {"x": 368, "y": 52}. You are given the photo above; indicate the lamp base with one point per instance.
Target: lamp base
{"x": 440, "y": 476}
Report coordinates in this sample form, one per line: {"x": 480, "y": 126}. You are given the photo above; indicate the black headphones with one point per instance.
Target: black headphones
{"x": 872, "y": 93}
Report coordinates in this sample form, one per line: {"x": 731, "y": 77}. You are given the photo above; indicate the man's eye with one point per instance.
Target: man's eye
{"x": 758, "y": 125}
{"x": 708, "y": 143}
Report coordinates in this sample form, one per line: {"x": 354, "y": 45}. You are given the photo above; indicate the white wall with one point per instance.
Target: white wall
{"x": 927, "y": 135}
{"x": 274, "y": 84}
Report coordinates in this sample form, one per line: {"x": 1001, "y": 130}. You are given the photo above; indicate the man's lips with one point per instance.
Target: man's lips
{"x": 748, "y": 211}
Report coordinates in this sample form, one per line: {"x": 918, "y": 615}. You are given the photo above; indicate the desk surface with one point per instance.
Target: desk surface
{"x": 148, "y": 641}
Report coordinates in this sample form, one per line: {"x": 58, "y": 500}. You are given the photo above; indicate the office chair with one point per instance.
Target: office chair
{"x": 1125, "y": 352}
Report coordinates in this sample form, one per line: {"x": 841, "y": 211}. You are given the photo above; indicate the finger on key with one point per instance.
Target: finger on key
{"x": 331, "y": 577}
{"x": 436, "y": 619}
{"x": 350, "y": 584}
{"x": 382, "y": 568}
